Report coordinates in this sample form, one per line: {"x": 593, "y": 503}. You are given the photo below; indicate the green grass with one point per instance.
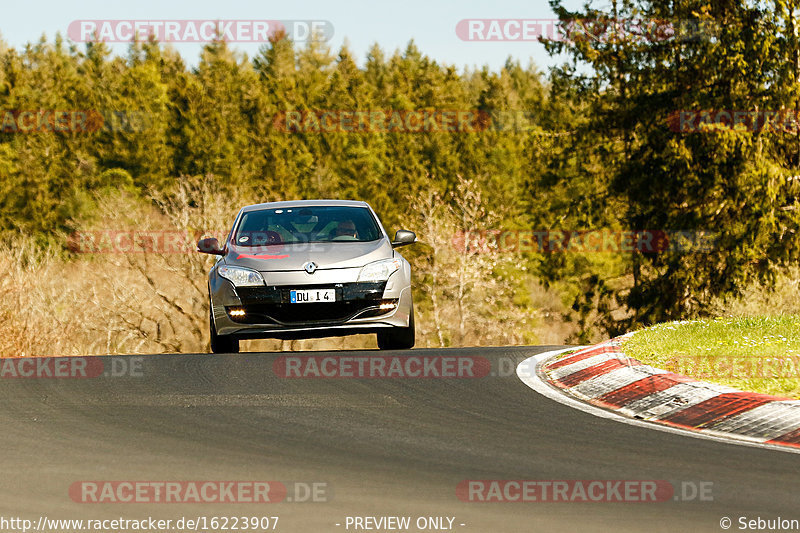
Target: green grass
{"x": 758, "y": 354}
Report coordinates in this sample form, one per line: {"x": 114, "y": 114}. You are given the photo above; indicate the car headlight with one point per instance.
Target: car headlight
{"x": 379, "y": 270}
{"x": 241, "y": 277}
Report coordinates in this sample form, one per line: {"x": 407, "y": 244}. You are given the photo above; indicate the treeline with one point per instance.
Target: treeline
{"x": 161, "y": 120}
{"x": 587, "y": 146}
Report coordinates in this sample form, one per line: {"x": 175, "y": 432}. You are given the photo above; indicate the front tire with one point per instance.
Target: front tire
{"x": 398, "y": 338}
{"x": 221, "y": 343}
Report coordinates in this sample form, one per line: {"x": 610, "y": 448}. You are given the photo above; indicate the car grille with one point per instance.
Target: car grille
{"x": 271, "y": 305}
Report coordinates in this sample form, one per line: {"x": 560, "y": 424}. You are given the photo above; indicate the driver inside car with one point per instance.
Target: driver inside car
{"x": 345, "y": 231}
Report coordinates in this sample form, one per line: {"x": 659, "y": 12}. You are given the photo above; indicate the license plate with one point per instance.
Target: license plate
{"x": 313, "y": 295}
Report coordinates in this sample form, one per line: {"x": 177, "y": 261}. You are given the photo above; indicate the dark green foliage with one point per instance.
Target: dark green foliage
{"x": 624, "y": 166}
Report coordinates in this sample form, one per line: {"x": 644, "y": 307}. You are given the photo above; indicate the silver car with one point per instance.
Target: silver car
{"x": 310, "y": 268}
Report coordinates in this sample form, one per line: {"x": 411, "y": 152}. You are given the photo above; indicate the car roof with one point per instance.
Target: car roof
{"x": 304, "y": 203}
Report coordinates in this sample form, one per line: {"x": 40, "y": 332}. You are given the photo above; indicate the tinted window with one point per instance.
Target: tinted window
{"x": 307, "y": 224}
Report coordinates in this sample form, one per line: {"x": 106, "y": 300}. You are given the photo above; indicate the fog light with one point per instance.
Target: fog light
{"x": 236, "y": 312}
{"x": 390, "y": 305}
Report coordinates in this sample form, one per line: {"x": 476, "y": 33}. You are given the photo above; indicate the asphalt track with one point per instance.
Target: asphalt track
{"x": 385, "y": 447}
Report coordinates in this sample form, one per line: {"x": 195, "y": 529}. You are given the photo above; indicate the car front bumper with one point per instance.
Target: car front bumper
{"x": 360, "y": 307}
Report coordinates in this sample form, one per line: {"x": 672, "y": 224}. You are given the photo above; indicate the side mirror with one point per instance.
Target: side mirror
{"x": 209, "y": 245}
{"x": 404, "y": 237}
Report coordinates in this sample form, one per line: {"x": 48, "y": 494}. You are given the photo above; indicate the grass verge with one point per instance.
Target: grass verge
{"x": 758, "y": 354}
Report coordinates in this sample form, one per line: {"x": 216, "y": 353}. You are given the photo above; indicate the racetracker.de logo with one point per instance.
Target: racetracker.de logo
{"x": 253, "y": 244}
{"x": 50, "y": 120}
{"x": 71, "y": 367}
{"x": 603, "y": 28}
{"x": 51, "y": 367}
{"x": 136, "y": 241}
{"x": 177, "y": 491}
{"x": 198, "y": 31}
{"x": 735, "y": 367}
{"x": 74, "y": 121}
{"x": 582, "y": 491}
{"x": 382, "y": 121}
{"x": 380, "y": 366}
{"x": 740, "y": 121}
{"x": 482, "y": 241}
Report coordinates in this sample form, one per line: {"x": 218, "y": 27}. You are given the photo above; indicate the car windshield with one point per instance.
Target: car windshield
{"x": 306, "y": 224}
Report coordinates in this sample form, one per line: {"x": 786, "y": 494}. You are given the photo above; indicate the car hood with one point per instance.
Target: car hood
{"x": 326, "y": 255}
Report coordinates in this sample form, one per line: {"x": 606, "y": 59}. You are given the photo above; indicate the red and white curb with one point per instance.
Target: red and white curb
{"x": 602, "y": 380}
